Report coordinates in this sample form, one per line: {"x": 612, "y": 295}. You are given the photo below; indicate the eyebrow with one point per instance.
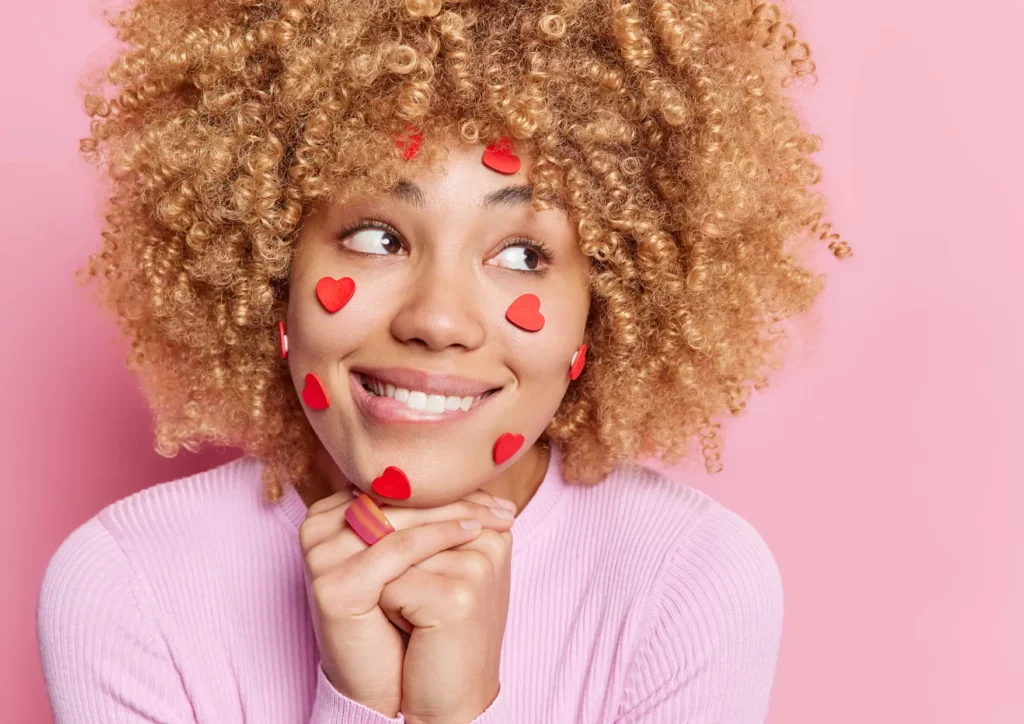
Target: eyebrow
{"x": 509, "y": 197}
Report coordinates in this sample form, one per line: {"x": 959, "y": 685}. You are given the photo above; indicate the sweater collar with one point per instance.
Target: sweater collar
{"x": 525, "y": 526}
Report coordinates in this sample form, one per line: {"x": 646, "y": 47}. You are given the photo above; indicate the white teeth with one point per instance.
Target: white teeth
{"x": 417, "y": 400}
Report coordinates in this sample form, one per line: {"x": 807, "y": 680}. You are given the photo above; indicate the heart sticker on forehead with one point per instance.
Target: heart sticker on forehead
{"x": 335, "y": 293}
{"x": 411, "y": 144}
{"x": 524, "y": 312}
{"x": 499, "y": 157}
{"x": 392, "y": 483}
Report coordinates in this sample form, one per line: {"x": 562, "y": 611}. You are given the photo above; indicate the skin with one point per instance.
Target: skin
{"x": 438, "y": 304}
{"x": 399, "y": 621}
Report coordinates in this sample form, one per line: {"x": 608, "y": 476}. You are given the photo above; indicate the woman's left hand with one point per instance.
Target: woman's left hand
{"x": 453, "y": 606}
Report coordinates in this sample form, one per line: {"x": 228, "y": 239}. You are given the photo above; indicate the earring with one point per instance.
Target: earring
{"x": 282, "y": 339}
{"x": 579, "y": 358}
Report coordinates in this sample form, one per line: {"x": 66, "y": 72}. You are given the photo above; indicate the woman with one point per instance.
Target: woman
{"x": 444, "y": 271}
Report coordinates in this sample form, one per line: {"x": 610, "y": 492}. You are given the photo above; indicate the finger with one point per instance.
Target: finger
{"x": 331, "y": 501}
{"x": 326, "y": 525}
{"x": 397, "y": 552}
{"x": 490, "y": 549}
{"x": 396, "y": 618}
{"x": 415, "y": 597}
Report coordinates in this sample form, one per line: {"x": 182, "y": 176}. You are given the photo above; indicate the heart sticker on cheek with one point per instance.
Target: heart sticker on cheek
{"x": 524, "y": 312}
{"x": 506, "y": 446}
{"x": 392, "y": 483}
{"x": 499, "y": 157}
{"x": 335, "y": 293}
{"x": 579, "y": 359}
{"x": 314, "y": 394}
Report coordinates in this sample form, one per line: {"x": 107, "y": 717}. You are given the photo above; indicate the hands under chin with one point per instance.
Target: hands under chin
{"x": 453, "y": 607}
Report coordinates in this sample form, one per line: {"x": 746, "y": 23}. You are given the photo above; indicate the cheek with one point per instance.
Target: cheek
{"x": 335, "y": 318}
{"x": 541, "y": 359}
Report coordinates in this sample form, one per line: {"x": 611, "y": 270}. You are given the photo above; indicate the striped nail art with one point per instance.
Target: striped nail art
{"x": 367, "y": 520}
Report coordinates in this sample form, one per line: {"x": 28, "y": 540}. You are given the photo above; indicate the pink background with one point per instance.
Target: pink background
{"x": 878, "y": 465}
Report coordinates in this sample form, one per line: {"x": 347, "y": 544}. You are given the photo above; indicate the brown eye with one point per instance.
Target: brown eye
{"x": 520, "y": 258}
{"x": 373, "y": 241}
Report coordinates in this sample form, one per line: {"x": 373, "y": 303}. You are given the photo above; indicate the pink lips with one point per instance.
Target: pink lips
{"x": 388, "y": 411}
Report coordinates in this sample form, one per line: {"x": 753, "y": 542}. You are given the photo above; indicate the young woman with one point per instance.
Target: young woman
{"x": 444, "y": 271}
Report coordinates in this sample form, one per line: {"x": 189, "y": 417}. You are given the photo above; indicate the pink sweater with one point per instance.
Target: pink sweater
{"x": 636, "y": 600}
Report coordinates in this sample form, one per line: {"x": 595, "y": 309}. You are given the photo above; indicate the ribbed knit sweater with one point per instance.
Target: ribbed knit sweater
{"x": 639, "y": 599}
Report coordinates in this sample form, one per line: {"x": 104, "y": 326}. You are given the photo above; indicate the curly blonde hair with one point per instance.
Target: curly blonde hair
{"x": 662, "y": 124}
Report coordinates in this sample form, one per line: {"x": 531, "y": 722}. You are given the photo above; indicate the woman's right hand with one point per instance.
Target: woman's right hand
{"x": 361, "y": 650}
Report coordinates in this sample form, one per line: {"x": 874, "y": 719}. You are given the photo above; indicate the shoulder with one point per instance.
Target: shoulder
{"x": 193, "y": 512}
{"x": 679, "y": 542}
{"x": 183, "y": 519}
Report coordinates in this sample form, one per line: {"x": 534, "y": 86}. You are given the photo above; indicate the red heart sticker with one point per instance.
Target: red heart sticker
{"x": 411, "y": 146}
{"x": 578, "y": 360}
{"x": 506, "y": 446}
{"x": 524, "y": 312}
{"x": 335, "y": 293}
{"x": 499, "y": 156}
{"x": 314, "y": 394}
{"x": 392, "y": 483}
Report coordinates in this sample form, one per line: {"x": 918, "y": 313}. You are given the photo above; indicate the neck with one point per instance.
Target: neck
{"x": 518, "y": 483}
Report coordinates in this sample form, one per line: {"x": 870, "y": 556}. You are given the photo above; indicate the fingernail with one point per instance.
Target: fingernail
{"x": 503, "y": 513}
{"x": 505, "y": 503}
{"x": 472, "y": 524}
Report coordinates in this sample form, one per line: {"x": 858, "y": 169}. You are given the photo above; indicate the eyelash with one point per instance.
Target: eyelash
{"x": 542, "y": 249}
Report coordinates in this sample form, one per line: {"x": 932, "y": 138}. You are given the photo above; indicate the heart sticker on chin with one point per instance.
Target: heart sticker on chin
{"x": 524, "y": 312}
{"x": 335, "y": 293}
{"x": 506, "y": 446}
{"x": 499, "y": 157}
{"x": 314, "y": 394}
{"x": 392, "y": 483}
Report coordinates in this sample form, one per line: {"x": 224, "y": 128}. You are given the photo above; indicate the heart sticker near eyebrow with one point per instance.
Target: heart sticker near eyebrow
{"x": 314, "y": 394}
{"x": 410, "y": 146}
{"x": 500, "y": 157}
{"x": 335, "y": 293}
{"x": 579, "y": 358}
{"x": 524, "y": 312}
{"x": 392, "y": 483}
{"x": 506, "y": 446}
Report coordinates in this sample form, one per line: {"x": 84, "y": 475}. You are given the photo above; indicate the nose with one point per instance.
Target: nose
{"x": 442, "y": 309}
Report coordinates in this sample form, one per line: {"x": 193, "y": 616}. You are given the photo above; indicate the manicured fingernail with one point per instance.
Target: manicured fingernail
{"x": 503, "y": 513}
{"x": 505, "y": 503}
{"x": 470, "y": 524}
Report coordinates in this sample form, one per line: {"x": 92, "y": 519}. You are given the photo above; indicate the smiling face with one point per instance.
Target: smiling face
{"x": 425, "y": 366}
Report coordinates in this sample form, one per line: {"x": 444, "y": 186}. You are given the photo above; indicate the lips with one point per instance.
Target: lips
{"x": 387, "y": 410}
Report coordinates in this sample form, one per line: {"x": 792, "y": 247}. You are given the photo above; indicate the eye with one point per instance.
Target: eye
{"x": 524, "y": 255}
{"x": 371, "y": 237}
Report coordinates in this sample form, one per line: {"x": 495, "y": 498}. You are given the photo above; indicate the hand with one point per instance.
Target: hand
{"x": 454, "y": 604}
{"x": 361, "y": 650}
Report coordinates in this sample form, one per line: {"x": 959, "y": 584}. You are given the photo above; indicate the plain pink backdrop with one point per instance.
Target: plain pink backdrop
{"x": 879, "y": 466}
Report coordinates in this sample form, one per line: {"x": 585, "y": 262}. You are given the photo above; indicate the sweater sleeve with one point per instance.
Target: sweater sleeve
{"x": 711, "y": 644}
{"x": 103, "y": 658}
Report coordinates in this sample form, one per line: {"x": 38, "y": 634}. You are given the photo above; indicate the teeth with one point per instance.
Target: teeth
{"x": 417, "y": 400}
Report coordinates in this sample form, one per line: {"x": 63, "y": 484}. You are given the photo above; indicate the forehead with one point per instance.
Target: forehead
{"x": 461, "y": 180}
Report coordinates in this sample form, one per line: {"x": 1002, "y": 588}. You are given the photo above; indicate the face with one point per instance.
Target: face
{"x": 435, "y": 267}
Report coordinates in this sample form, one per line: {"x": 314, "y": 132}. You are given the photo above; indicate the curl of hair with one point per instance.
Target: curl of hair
{"x": 662, "y": 126}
